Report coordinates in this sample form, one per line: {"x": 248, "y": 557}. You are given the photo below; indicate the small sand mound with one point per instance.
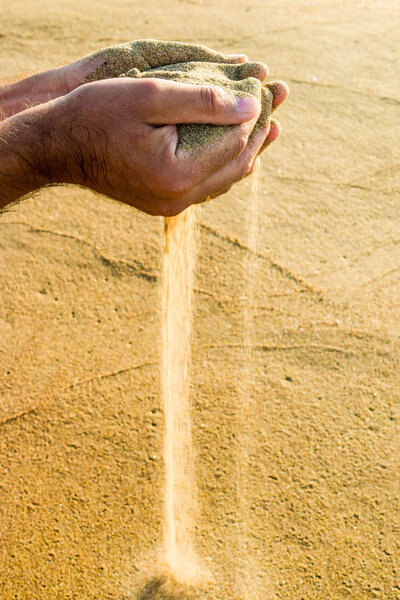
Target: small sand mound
{"x": 148, "y": 54}
{"x": 164, "y": 587}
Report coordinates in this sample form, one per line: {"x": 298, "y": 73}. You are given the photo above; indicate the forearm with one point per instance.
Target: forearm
{"x": 36, "y": 89}
{"x": 24, "y": 155}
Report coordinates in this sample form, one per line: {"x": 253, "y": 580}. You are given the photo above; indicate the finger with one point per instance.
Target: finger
{"x": 280, "y": 91}
{"x": 166, "y": 102}
{"x": 256, "y": 165}
{"x": 237, "y": 58}
{"x": 273, "y": 134}
{"x": 223, "y": 179}
{"x": 253, "y": 69}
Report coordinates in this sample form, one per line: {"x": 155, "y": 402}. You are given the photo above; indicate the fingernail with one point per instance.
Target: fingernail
{"x": 247, "y": 106}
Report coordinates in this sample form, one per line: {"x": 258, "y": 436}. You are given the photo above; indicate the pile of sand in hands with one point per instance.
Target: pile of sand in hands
{"x": 186, "y": 63}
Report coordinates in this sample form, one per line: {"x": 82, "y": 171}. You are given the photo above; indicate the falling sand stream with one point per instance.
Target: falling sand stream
{"x": 180, "y": 493}
{"x": 180, "y": 489}
{"x": 246, "y": 571}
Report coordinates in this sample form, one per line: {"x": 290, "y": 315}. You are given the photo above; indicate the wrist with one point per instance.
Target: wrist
{"x": 26, "y": 154}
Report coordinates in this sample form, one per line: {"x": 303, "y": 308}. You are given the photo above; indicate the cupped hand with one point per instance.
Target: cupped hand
{"x": 119, "y": 138}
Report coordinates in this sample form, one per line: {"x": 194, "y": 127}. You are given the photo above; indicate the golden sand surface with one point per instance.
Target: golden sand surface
{"x": 81, "y": 423}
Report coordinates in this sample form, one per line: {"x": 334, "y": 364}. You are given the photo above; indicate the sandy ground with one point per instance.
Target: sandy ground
{"x": 81, "y": 472}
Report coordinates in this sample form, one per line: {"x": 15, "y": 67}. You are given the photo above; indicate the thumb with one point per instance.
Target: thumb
{"x": 172, "y": 102}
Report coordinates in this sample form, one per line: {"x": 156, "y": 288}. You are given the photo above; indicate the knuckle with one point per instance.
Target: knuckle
{"x": 249, "y": 166}
{"x": 240, "y": 143}
{"x": 246, "y": 168}
{"x": 251, "y": 169}
{"x": 151, "y": 88}
{"x": 208, "y": 99}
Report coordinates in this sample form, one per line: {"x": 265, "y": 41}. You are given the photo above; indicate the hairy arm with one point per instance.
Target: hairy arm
{"x": 30, "y": 153}
{"x": 38, "y": 148}
{"x": 18, "y": 173}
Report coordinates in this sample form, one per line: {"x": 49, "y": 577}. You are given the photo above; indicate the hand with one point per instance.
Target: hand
{"x": 42, "y": 87}
{"x": 107, "y": 136}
